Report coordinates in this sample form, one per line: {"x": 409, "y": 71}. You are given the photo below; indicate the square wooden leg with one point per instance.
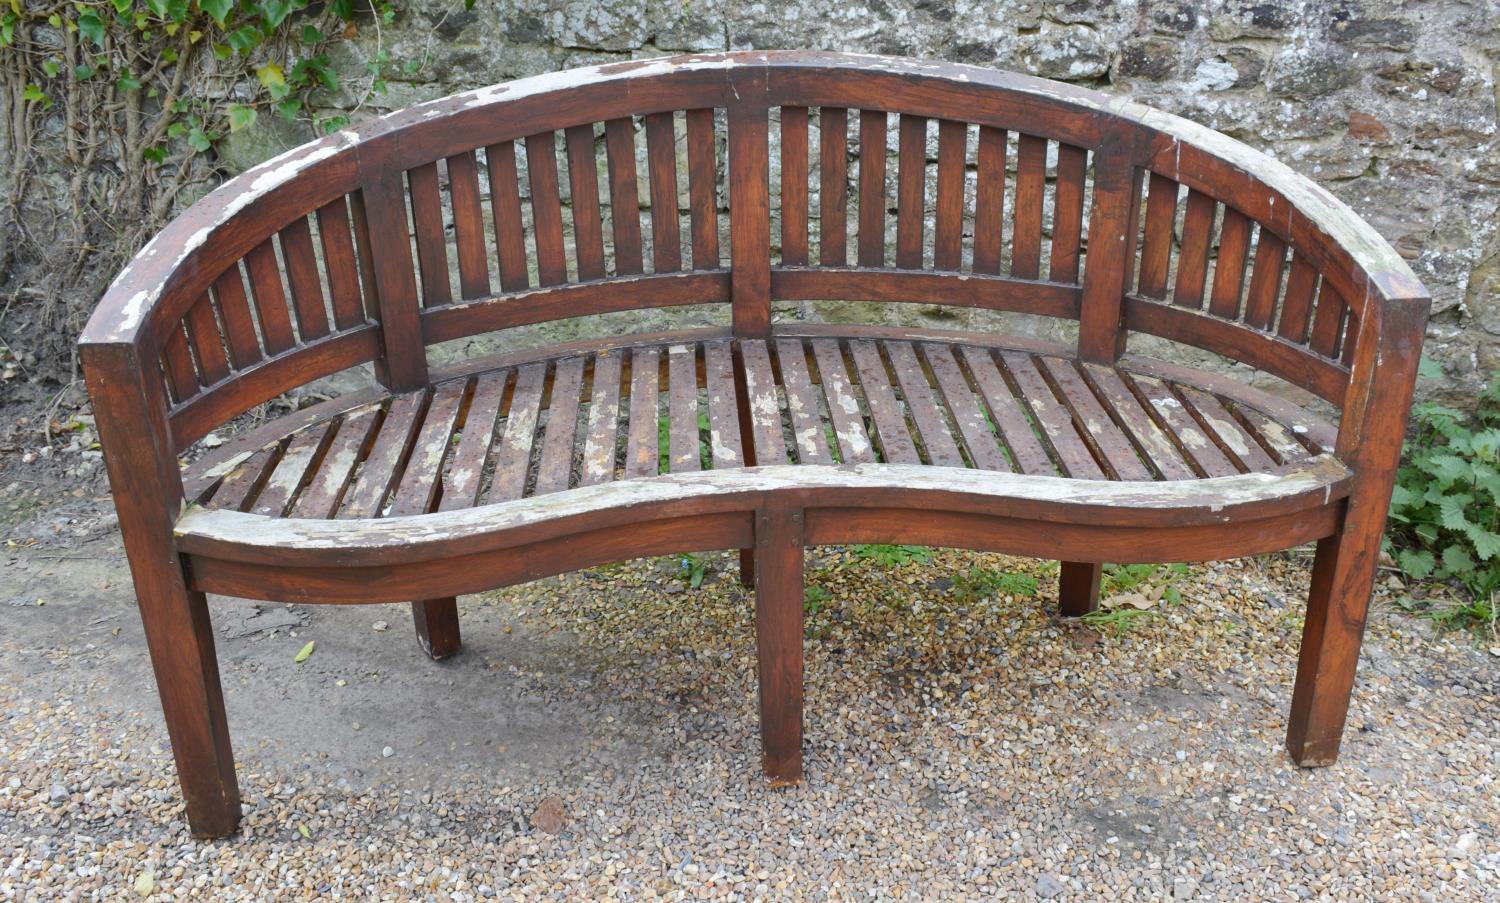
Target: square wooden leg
{"x": 778, "y": 634}
{"x": 1337, "y": 603}
{"x": 437, "y": 626}
{"x": 1078, "y": 587}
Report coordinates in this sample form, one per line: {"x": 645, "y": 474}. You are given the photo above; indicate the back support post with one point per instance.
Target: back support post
{"x": 750, "y": 221}
{"x": 1109, "y": 264}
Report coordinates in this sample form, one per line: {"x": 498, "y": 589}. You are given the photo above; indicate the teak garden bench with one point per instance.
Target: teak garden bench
{"x": 760, "y": 431}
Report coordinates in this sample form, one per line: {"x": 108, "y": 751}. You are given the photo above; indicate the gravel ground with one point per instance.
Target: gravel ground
{"x": 962, "y": 742}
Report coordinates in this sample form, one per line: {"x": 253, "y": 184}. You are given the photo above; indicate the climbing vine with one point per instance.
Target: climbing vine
{"x": 111, "y": 109}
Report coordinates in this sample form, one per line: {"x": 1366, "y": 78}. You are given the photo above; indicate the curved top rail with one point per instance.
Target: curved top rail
{"x": 163, "y": 279}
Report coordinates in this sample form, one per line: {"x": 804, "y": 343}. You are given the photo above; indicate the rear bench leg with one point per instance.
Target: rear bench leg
{"x": 1078, "y": 587}
{"x": 778, "y": 635}
{"x": 1342, "y": 578}
{"x": 437, "y": 626}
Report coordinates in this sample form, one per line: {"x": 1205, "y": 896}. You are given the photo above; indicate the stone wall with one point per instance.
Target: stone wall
{"x": 1393, "y": 109}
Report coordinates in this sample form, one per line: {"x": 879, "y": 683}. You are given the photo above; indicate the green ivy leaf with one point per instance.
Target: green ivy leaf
{"x": 157, "y": 155}
{"x": 128, "y": 83}
{"x": 83, "y": 72}
{"x": 51, "y": 67}
{"x": 241, "y": 117}
{"x": 289, "y": 109}
{"x": 36, "y": 94}
{"x": 1429, "y": 368}
{"x": 270, "y": 75}
{"x": 275, "y": 11}
{"x": 311, "y": 35}
{"x": 198, "y": 140}
{"x": 90, "y": 26}
{"x": 219, "y": 9}
{"x": 245, "y": 39}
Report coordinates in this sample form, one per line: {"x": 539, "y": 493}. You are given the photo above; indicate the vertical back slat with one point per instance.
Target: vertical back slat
{"x": 505, "y": 207}
{"x": 546, "y": 208}
{"x": 911, "y": 191}
{"x": 177, "y": 360}
{"x": 794, "y": 143}
{"x": 344, "y": 278}
{"x": 1156, "y": 245}
{"x": 1031, "y": 180}
{"x": 583, "y": 179}
{"x": 872, "y": 129}
{"x": 1328, "y": 318}
{"x": 359, "y": 224}
{"x": 1265, "y": 280}
{"x": 270, "y": 299}
{"x": 624, "y": 196}
{"x": 833, "y": 186}
{"x": 661, "y": 158}
{"x": 989, "y": 201}
{"x": 947, "y": 249}
{"x": 1296, "y": 306}
{"x": 239, "y": 328}
{"x": 1067, "y": 213}
{"x": 208, "y": 345}
{"x": 1192, "y": 260}
{"x": 703, "y": 178}
{"x": 432, "y": 242}
{"x": 1229, "y": 270}
{"x": 302, "y": 275}
{"x": 468, "y": 226}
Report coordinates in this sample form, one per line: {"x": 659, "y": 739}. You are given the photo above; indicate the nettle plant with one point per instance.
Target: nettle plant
{"x": 1445, "y": 512}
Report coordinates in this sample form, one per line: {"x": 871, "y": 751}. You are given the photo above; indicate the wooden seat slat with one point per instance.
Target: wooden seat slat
{"x": 366, "y": 498}
{"x": 555, "y": 470}
{"x": 1237, "y": 443}
{"x": 854, "y": 445}
{"x": 505, "y": 208}
{"x": 514, "y": 457}
{"x": 245, "y": 479}
{"x": 339, "y": 262}
{"x": 599, "y": 440}
{"x": 922, "y": 404}
{"x": 643, "y": 439}
{"x": 432, "y": 242}
{"x": 725, "y": 446}
{"x": 239, "y": 328}
{"x": 1279, "y": 441}
{"x": 762, "y": 403}
{"x": 794, "y": 185}
{"x": 326, "y": 488}
{"x": 891, "y": 433}
{"x": 468, "y": 226}
{"x": 1013, "y": 423}
{"x": 1159, "y": 449}
{"x": 989, "y": 200}
{"x": 420, "y": 481}
{"x": 684, "y": 446}
{"x": 1180, "y": 425}
{"x": 1031, "y": 183}
{"x": 978, "y": 440}
{"x": 1094, "y": 423}
{"x": 947, "y": 242}
{"x": 466, "y": 470}
{"x": 703, "y": 178}
{"x": 292, "y": 471}
{"x": 1053, "y": 416}
{"x": 802, "y": 406}
{"x": 833, "y": 186}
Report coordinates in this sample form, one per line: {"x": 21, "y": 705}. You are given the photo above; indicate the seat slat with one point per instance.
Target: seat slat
{"x": 468, "y": 226}
{"x": 1055, "y": 419}
{"x": 505, "y": 208}
{"x": 604, "y": 421}
{"x": 661, "y": 162}
{"x": 833, "y": 186}
{"x": 762, "y": 404}
{"x": 794, "y": 146}
{"x": 546, "y": 208}
{"x": 344, "y": 280}
{"x": 392, "y": 444}
{"x": 643, "y": 442}
{"x": 911, "y": 190}
{"x": 432, "y": 242}
{"x": 703, "y": 179}
{"x": 291, "y": 472}
{"x": 555, "y": 470}
{"x": 802, "y": 404}
{"x": 843, "y": 404}
{"x": 1011, "y": 421}
{"x": 1231, "y": 436}
{"x": 922, "y": 404}
{"x": 588, "y": 222}
{"x": 1175, "y": 420}
{"x": 245, "y": 480}
{"x": 947, "y": 246}
{"x": 1031, "y": 179}
{"x": 989, "y": 200}
{"x": 326, "y": 488}
{"x": 1163, "y": 455}
{"x": 684, "y": 453}
{"x": 1229, "y": 269}
{"x": 1281, "y": 443}
{"x": 208, "y": 345}
{"x": 624, "y": 196}
{"x": 872, "y": 132}
{"x": 891, "y": 433}
{"x": 466, "y": 469}
{"x": 1156, "y": 247}
{"x": 723, "y": 407}
{"x": 1094, "y": 424}
{"x": 973, "y": 427}
{"x": 302, "y": 275}
{"x": 1192, "y": 259}
{"x": 514, "y": 458}
{"x": 424, "y": 466}
{"x": 1067, "y": 217}
{"x": 270, "y": 300}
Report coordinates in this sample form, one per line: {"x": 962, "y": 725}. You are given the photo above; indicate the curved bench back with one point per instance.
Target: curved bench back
{"x": 1011, "y": 193}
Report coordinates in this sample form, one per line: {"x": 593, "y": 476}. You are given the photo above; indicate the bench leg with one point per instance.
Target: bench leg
{"x": 181, "y": 640}
{"x": 747, "y": 567}
{"x": 437, "y": 626}
{"x": 1078, "y": 587}
{"x": 778, "y": 636}
{"x": 1342, "y": 578}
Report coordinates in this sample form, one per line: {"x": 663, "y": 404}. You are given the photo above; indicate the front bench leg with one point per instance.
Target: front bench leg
{"x": 1078, "y": 587}
{"x": 437, "y": 626}
{"x": 778, "y": 637}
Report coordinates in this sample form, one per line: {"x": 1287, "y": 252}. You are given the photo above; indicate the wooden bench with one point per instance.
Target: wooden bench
{"x": 751, "y": 427}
